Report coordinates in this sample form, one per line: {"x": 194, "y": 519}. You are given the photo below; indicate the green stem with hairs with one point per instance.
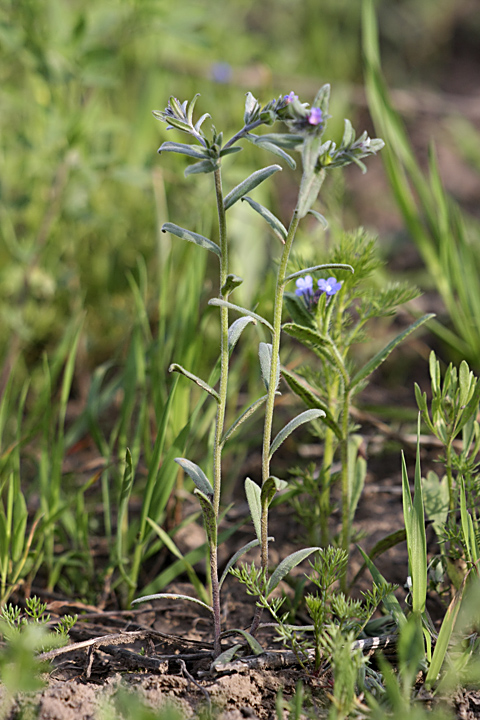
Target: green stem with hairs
{"x": 221, "y": 407}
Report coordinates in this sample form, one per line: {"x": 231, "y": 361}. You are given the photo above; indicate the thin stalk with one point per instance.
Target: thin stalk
{"x": 448, "y": 468}
{"x": 221, "y": 406}
{"x": 346, "y": 500}
{"x": 272, "y": 386}
{"x": 324, "y": 499}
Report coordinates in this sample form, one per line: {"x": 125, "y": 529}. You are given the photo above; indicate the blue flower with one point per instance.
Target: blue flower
{"x": 290, "y": 97}
{"x": 221, "y": 72}
{"x": 304, "y": 287}
{"x": 315, "y": 116}
{"x": 330, "y": 286}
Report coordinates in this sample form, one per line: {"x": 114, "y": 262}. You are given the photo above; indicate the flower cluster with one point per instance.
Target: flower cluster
{"x": 305, "y": 289}
{"x": 299, "y": 116}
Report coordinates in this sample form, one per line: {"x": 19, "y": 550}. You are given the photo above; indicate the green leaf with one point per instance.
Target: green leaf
{"x": 309, "y": 189}
{"x": 298, "y": 311}
{"x": 357, "y": 472}
{"x": 172, "y": 596}
{"x": 237, "y": 556}
{"x": 321, "y": 219}
{"x": 125, "y": 491}
{"x": 248, "y": 184}
{"x": 244, "y": 416}
{"x": 204, "y": 166}
{"x": 304, "y": 417}
{"x": 192, "y": 237}
{"x": 195, "y": 151}
{"x": 390, "y": 601}
{"x": 218, "y": 302}
{"x": 170, "y": 545}
{"x": 284, "y": 140}
{"x": 326, "y": 266}
{"x": 415, "y": 528}
{"x": 232, "y": 282}
{"x": 321, "y": 344}
{"x": 377, "y": 360}
{"x": 311, "y": 400}
{"x": 19, "y": 525}
{"x": 273, "y": 148}
{"x": 230, "y": 150}
{"x": 348, "y": 134}
{"x": 198, "y": 476}
{"x": 225, "y": 657}
{"x": 436, "y": 500}
{"x": 175, "y": 367}
{"x": 253, "y": 643}
{"x": 253, "y": 493}
{"x": 236, "y": 329}
{"x": 265, "y": 357}
{"x": 380, "y": 547}
{"x": 270, "y": 487}
{"x": 443, "y": 639}
{"x": 278, "y": 228}
{"x": 209, "y": 516}
{"x": 287, "y": 565}
{"x": 191, "y": 106}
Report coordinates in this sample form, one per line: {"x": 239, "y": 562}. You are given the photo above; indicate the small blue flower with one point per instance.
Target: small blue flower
{"x": 315, "y": 116}
{"x": 304, "y": 287}
{"x": 221, "y": 72}
{"x": 330, "y": 286}
{"x": 290, "y": 97}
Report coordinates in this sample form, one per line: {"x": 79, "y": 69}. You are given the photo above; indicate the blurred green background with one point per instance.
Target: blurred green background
{"x": 82, "y": 191}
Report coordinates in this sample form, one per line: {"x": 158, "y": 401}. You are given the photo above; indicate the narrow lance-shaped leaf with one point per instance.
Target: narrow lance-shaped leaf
{"x": 225, "y": 657}
{"x": 209, "y": 516}
{"x": 195, "y": 151}
{"x": 273, "y": 148}
{"x": 192, "y": 237}
{"x": 204, "y": 166}
{"x": 171, "y": 596}
{"x": 287, "y": 565}
{"x": 415, "y": 527}
{"x": 232, "y": 282}
{"x": 321, "y": 344}
{"x": 19, "y": 525}
{"x": 198, "y": 476}
{"x": 311, "y": 400}
{"x": 327, "y": 266}
{"x": 244, "y": 416}
{"x": 278, "y": 228}
{"x": 170, "y": 545}
{"x": 237, "y": 556}
{"x": 304, "y": 417}
{"x": 270, "y": 487}
{"x": 253, "y": 643}
{"x": 249, "y": 184}
{"x": 377, "y": 360}
{"x": 174, "y": 367}
{"x": 125, "y": 491}
{"x": 284, "y": 140}
{"x": 321, "y": 219}
{"x": 253, "y": 493}
{"x": 224, "y": 303}
{"x": 443, "y": 639}
{"x": 230, "y": 150}
{"x": 236, "y": 329}
{"x": 265, "y": 357}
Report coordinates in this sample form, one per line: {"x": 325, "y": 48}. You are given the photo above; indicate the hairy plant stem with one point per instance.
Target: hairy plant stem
{"x": 221, "y": 406}
{"x": 346, "y": 499}
{"x": 272, "y": 387}
{"x": 448, "y": 469}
